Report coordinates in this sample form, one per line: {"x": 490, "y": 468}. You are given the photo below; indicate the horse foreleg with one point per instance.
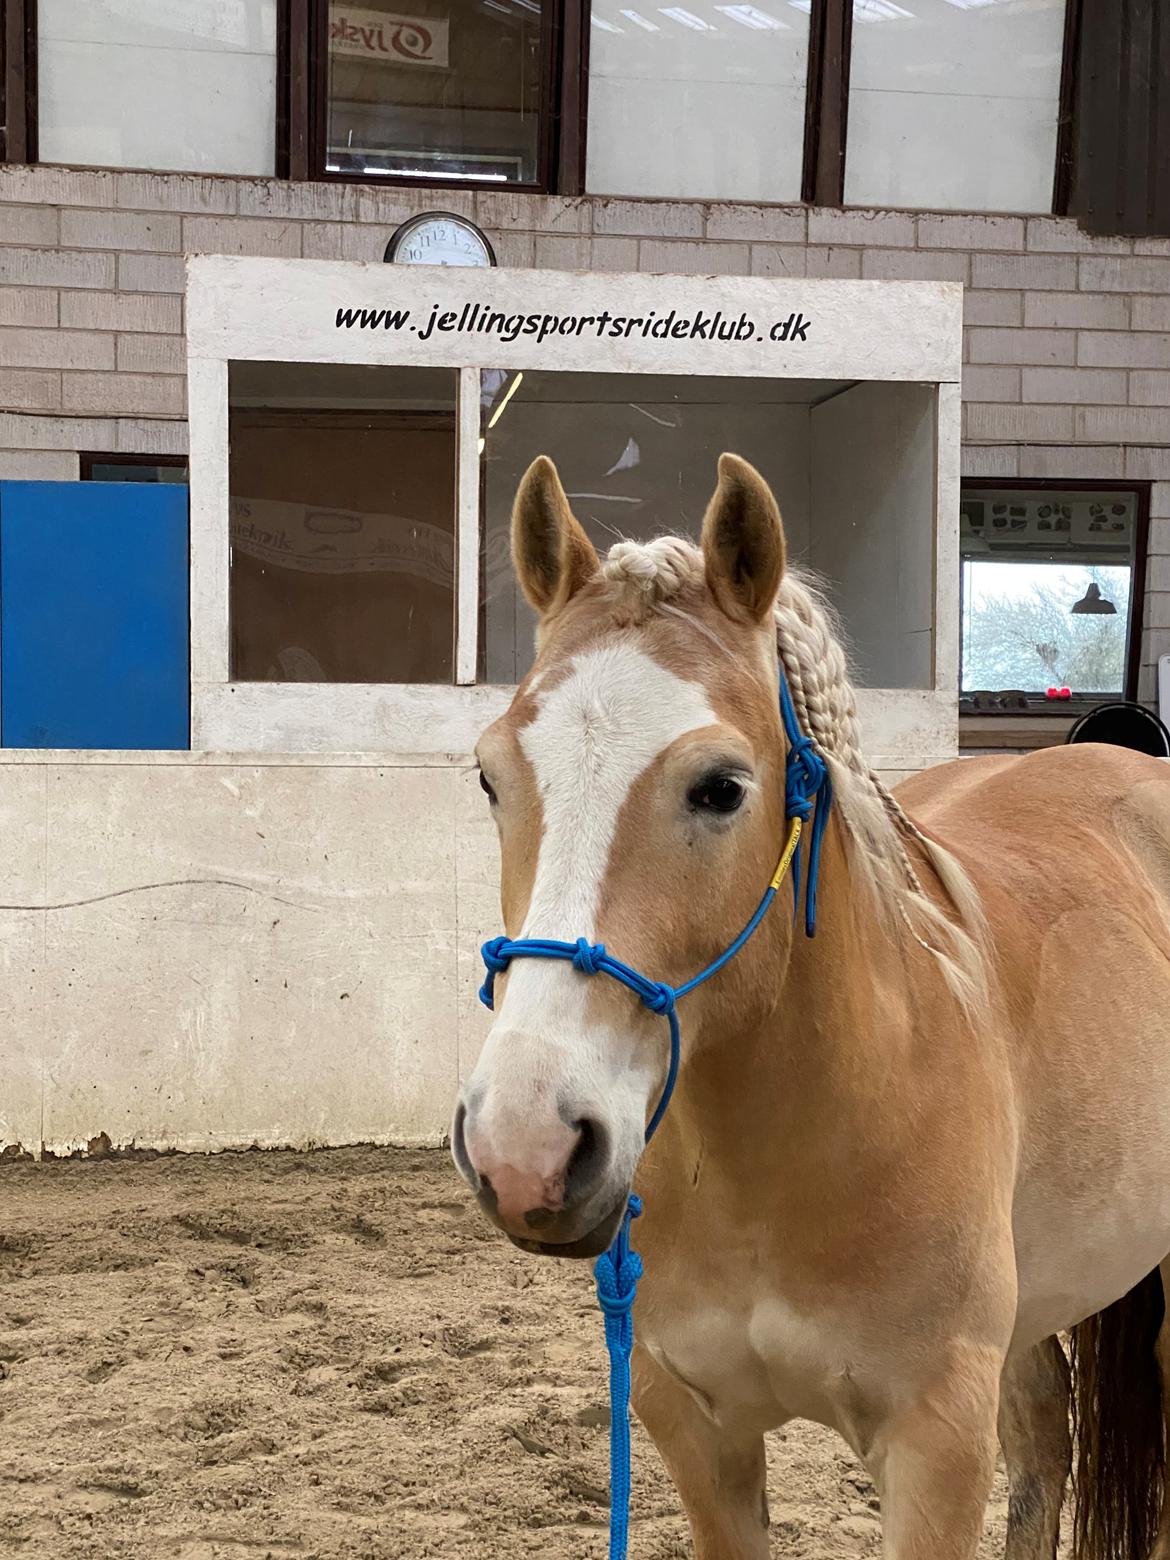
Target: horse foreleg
{"x": 933, "y": 1462}
{"x": 1034, "y": 1434}
{"x": 720, "y": 1478}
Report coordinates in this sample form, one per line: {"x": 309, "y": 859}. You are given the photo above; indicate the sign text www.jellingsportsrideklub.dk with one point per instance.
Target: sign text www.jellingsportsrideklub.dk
{"x": 474, "y": 319}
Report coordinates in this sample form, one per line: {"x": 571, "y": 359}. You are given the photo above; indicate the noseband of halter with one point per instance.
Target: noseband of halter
{"x": 808, "y": 796}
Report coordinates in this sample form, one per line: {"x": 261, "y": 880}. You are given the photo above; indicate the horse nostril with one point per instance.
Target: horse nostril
{"x": 459, "y": 1148}
{"x": 587, "y": 1161}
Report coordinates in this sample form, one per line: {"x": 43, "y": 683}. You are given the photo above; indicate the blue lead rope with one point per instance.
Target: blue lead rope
{"x": 808, "y": 796}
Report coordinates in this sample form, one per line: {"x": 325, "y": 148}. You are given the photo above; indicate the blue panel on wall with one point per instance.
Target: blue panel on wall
{"x": 93, "y": 615}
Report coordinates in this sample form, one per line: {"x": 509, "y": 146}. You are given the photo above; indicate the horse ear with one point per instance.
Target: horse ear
{"x": 552, "y": 555}
{"x": 743, "y": 542}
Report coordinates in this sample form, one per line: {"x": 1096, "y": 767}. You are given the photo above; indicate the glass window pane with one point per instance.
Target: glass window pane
{"x": 166, "y": 84}
{"x": 342, "y": 523}
{"x": 638, "y": 453}
{"x": 953, "y": 104}
{"x": 115, "y": 470}
{"x": 704, "y": 100}
{"x": 1047, "y": 581}
{"x": 452, "y": 91}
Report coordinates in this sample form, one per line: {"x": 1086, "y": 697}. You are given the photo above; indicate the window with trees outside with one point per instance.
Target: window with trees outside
{"x": 1051, "y": 593}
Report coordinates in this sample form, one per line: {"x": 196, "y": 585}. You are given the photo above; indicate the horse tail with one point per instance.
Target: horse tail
{"x": 1119, "y": 1426}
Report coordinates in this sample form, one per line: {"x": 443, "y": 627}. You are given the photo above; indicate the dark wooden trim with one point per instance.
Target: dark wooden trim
{"x": 1141, "y": 541}
{"x": 570, "y": 97}
{"x": 826, "y": 118}
{"x": 18, "y": 123}
{"x": 1137, "y": 607}
{"x": 1066, "y": 124}
{"x": 91, "y": 458}
{"x": 293, "y": 48}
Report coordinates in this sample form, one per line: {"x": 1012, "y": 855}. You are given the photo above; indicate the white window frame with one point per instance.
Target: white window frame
{"x": 252, "y": 309}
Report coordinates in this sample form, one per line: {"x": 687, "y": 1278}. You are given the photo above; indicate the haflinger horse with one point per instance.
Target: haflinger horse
{"x": 903, "y": 1156}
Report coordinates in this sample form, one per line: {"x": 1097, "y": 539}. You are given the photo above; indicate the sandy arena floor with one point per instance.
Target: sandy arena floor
{"x": 324, "y": 1355}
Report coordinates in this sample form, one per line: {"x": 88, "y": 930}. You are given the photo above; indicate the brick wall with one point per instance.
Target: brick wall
{"x": 1066, "y": 363}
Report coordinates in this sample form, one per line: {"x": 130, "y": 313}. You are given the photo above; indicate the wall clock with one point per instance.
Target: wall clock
{"x": 439, "y": 238}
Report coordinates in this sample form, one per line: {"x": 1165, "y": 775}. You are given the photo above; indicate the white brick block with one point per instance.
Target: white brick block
{"x": 1125, "y": 424}
{"x": 995, "y": 423}
{"x": 1146, "y": 463}
{"x": 1150, "y": 313}
{"x": 943, "y": 231}
{"x": 27, "y": 306}
{"x": 296, "y": 201}
{"x": 1149, "y": 387}
{"x": 992, "y": 345}
{"x": 506, "y": 210}
{"x": 1160, "y": 503}
{"x": 614, "y": 254}
{"x": 991, "y": 460}
{"x": 177, "y": 192}
{"x": 515, "y": 250}
{"x": 1116, "y": 273}
{"x": 55, "y": 268}
{"x": 1067, "y": 463}
{"x": 152, "y": 312}
{"x": 678, "y": 258}
{"x": 1081, "y": 386}
{"x": 1122, "y": 349}
{"x": 877, "y": 229}
{"x": 1076, "y": 311}
{"x": 30, "y": 389}
{"x": 121, "y": 230}
{"x": 759, "y": 224}
{"x": 39, "y": 466}
{"x": 23, "y": 348}
{"x": 241, "y": 236}
{"x": 151, "y": 394}
{"x": 562, "y": 252}
{"x": 1061, "y": 234}
{"x": 138, "y": 436}
{"x": 648, "y": 218}
{"x": 916, "y": 265}
{"x": 984, "y": 382}
{"x": 140, "y": 354}
{"x": 55, "y": 433}
{"x": 152, "y": 273}
{"x": 29, "y": 225}
{"x": 829, "y": 262}
{"x": 1053, "y": 272}
{"x": 993, "y": 308}
{"x": 778, "y": 260}
{"x": 44, "y": 185}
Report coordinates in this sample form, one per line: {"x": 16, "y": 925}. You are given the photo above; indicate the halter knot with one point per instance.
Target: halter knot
{"x": 617, "y": 1283}
{"x": 660, "y": 998}
{"x": 805, "y": 776}
{"x": 588, "y": 956}
{"x": 494, "y": 957}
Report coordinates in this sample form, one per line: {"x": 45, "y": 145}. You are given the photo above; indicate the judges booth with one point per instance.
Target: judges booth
{"x": 271, "y": 936}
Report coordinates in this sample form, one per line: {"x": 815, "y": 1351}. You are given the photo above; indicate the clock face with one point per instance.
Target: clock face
{"x": 438, "y": 239}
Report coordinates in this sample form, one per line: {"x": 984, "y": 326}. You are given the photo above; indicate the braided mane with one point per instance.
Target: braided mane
{"x": 650, "y": 576}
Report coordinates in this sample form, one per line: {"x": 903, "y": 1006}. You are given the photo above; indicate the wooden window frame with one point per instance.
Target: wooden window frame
{"x": 1141, "y": 542}
{"x": 18, "y": 81}
{"x": 302, "y": 102}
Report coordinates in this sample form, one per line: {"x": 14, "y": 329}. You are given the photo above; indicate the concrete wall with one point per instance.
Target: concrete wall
{"x": 209, "y": 951}
{"x": 1067, "y": 368}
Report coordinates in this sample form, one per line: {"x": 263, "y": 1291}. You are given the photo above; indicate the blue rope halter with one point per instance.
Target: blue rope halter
{"x": 808, "y": 796}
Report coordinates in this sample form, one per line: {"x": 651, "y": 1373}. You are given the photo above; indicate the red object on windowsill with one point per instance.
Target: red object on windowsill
{"x": 1059, "y": 693}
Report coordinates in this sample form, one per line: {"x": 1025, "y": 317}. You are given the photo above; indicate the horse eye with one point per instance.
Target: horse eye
{"x": 485, "y": 786}
{"x": 717, "y": 793}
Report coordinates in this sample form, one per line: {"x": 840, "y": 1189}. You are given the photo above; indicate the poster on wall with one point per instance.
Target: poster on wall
{"x": 382, "y": 38}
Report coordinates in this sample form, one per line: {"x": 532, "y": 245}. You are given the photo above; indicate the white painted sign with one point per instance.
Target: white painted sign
{"x": 383, "y": 39}
{"x": 320, "y": 311}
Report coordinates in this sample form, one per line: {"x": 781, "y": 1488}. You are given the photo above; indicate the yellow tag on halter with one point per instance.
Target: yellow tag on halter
{"x": 787, "y": 854}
